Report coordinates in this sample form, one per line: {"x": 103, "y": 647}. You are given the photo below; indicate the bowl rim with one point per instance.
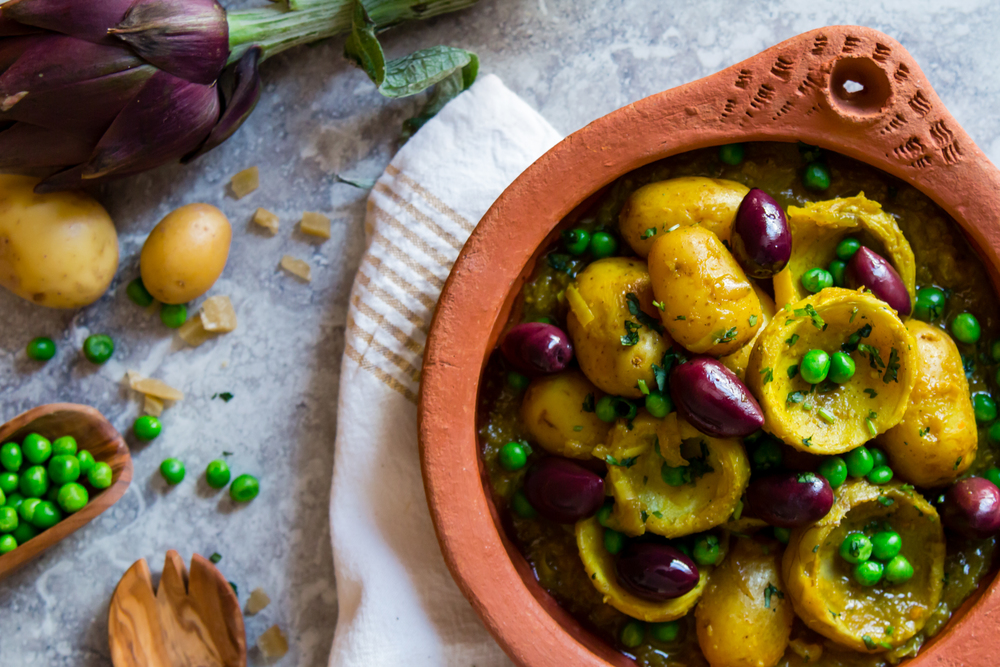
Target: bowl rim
{"x": 909, "y": 135}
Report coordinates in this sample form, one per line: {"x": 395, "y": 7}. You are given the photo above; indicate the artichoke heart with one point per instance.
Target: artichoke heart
{"x": 831, "y": 418}
{"x": 670, "y": 479}
{"x": 826, "y": 597}
{"x": 818, "y": 227}
{"x": 600, "y": 566}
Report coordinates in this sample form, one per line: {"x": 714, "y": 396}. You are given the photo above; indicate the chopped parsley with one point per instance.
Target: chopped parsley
{"x": 659, "y": 305}
{"x": 869, "y": 642}
{"x": 624, "y": 463}
{"x": 958, "y": 462}
{"x": 631, "y": 336}
{"x": 793, "y": 370}
{"x": 855, "y": 338}
{"x": 968, "y": 364}
{"x": 643, "y": 388}
{"x": 649, "y": 232}
{"x": 885, "y": 502}
{"x": 854, "y": 313}
{"x": 892, "y": 368}
{"x": 561, "y": 262}
{"x": 578, "y": 427}
{"x": 645, "y": 515}
{"x": 815, "y": 548}
{"x": 727, "y": 337}
{"x": 889, "y": 630}
{"x": 924, "y": 431}
{"x": 795, "y": 397}
{"x": 871, "y": 392}
{"x": 770, "y": 591}
{"x": 826, "y": 415}
{"x": 767, "y": 374}
{"x": 808, "y": 442}
{"x": 810, "y": 310}
{"x": 793, "y": 339}
{"x": 225, "y": 396}
{"x": 658, "y": 514}
{"x": 679, "y": 317}
{"x": 753, "y": 320}
{"x": 215, "y": 557}
{"x": 639, "y": 314}
{"x": 588, "y": 403}
{"x": 874, "y": 358}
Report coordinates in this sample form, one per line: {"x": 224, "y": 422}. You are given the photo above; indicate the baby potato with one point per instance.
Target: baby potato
{"x": 710, "y": 202}
{"x": 59, "y": 250}
{"x": 743, "y": 618}
{"x": 185, "y": 253}
{"x": 936, "y": 440}
{"x": 602, "y": 295}
{"x": 709, "y": 304}
{"x": 738, "y": 360}
{"x": 552, "y": 411}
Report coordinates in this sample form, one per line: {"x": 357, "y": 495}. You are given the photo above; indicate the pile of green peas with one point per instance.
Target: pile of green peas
{"x": 815, "y": 176}
{"x": 97, "y": 348}
{"x": 868, "y": 462}
{"x": 40, "y": 481}
{"x": 876, "y": 557}
{"x": 633, "y": 633}
{"x": 817, "y": 279}
{"x": 172, "y": 315}
{"x": 817, "y": 365}
{"x": 599, "y": 244}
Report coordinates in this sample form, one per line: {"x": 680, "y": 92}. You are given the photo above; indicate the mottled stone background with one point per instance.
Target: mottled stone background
{"x": 573, "y": 60}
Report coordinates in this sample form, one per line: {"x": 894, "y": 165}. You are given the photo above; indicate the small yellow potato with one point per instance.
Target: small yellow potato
{"x": 936, "y": 440}
{"x": 738, "y": 360}
{"x": 744, "y": 618}
{"x": 58, "y": 250}
{"x": 685, "y": 201}
{"x": 552, "y": 412}
{"x": 709, "y": 305}
{"x": 185, "y": 253}
{"x": 601, "y": 320}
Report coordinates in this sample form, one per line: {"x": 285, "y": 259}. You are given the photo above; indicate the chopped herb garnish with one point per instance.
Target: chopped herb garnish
{"x": 659, "y": 305}
{"x": 793, "y": 339}
{"x": 649, "y": 232}
{"x": 588, "y": 403}
{"x": 670, "y": 229}
{"x": 871, "y": 392}
{"x": 807, "y": 407}
{"x": 631, "y": 336}
{"x": 795, "y": 397}
{"x": 225, "y": 453}
{"x": 815, "y": 548}
{"x": 578, "y": 427}
{"x": 643, "y": 388}
{"x": 658, "y": 514}
{"x": 924, "y": 431}
{"x": 235, "y": 590}
{"x": 679, "y": 317}
{"x": 624, "y": 463}
{"x": 958, "y": 462}
{"x": 889, "y": 630}
{"x": 854, "y": 312}
{"x": 968, "y": 364}
{"x": 808, "y": 442}
{"x": 874, "y": 358}
{"x": 660, "y": 378}
{"x": 645, "y": 515}
{"x": 826, "y": 415}
{"x": 892, "y": 368}
{"x": 753, "y": 320}
{"x": 641, "y": 315}
{"x": 215, "y": 557}
{"x": 872, "y": 431}
{"x": 767, "y": 374}
{"x": 810, "y": 310}
{"x": 805, "y": 478}
{"x": 793, "y": 370}
{"x": 226, "y": 396}
{"x": 855, "y": 338}
{"x": 727, "y": 337}
{"x": 770, "y": 591}
{"x": 869, "y": 642}
{"x": 561, "y": 262}
{"x": 885, "y": 502}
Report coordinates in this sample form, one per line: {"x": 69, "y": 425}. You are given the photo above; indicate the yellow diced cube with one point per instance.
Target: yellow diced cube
{"x": 152, "y": 406}
{"x": 245, "y": 182}
{"x": 272, "y": 643}
{"x": 296, "y": 267}
{"x": 258, "y": 600}
{"x": 315, "y": 224}
{"x": 193, "y": 332}
{"x": 217, "y": 314}
{"x": 266, "y": 219}
{"x": 157, "y": 389}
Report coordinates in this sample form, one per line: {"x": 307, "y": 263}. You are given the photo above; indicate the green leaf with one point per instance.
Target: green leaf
{"x": 631, "y": 336}
{"x": 360, "y": 183}
{"x": 771, "y": 590}
{"x": 638, "y": 313}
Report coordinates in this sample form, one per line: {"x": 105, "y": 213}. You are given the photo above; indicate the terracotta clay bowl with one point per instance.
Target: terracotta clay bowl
{"x": 92, "y": 432}
{"x": 792, "y": 92}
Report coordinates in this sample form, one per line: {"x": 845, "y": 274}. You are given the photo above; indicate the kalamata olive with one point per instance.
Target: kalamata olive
{"x": 714, "y": 400}
{"x": 972, "y": 508}
{"x": 870, "y": 269}
{"x": 563, "y": 491}
{"x": 655, "y": 571}
{"x": 762, "y": 242}
{"x": 537, "y": 348}
{"x": 790, "y": 500}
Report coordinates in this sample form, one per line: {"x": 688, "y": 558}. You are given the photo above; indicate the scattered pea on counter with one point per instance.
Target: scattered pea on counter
{"x": 41, "y": 349}
{"x": 98, "y": 348}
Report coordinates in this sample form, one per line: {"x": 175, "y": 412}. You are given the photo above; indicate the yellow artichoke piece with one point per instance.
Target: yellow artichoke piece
{"x": 552, "y": 412}
{"x": 600, "y": 565}
{"x": 936, "y": 441}
{"x": 820, "y": 585}
{"x": 833, "y": 418}
{"x": 707, "y": 476}
{"x": 818, "y": 227}
{"x": 689, "y": 200}
{"x": 738, "y": 360}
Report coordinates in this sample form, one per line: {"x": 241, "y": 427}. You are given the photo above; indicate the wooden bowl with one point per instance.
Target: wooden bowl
{"x": 92, "y": 432}
{"x": 791, "y": 92}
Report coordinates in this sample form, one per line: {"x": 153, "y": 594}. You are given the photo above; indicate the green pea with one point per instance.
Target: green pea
{"x": 8, "y": 482}
{"x": 64, "y": 445}
{"x": 519, "y": 503}
{"x": 674, "y": 476}
{"x": 816, "y": 177}
{"x": 665, "y": 632}
{"x": 984, "y": 407}
{"x": 173, "y": 315}
{"x": 992, "y": 475}
{"x": 614, "y": 541}
{"x": 41, "y": 349}
{"x": 72, "y": 497}
{"x": 859, "y": 462}
{"x": 995, "y": 351}
{"x": 856, "y": 548}
{"x": 244, "y": 488}
{"x": 138, "y": 293}
{"x": 98, "y": 348}
{"x": 782, "y": 534}
{"x": 930, "y": 304}
{"x": 517, "y": 381}
{"x": 576, "y": 241}
{"x": 64, "y": 469}
{"x": 46, "y": 515}
{"x": 34, "y": 482}
{"x": 706, "y": 550}
{"x": 868, "y": 573}
{"x": 36, "y": 449}
{"x": 545, "y": 319}
{"x": 172, "y": 470}
{"x": 8, "y": 519}
{"x": 603, "y": 244}
{"x": 147, "y": 427}
{"x": 27, "y": 509}
{"x": 815, "y": 366}
{"x": 86, "y": 460}
{"x": 731, "y": 154}
{"x": 7, "y": 544}
{"x": 659, "y": 405}
{"x": 217, "y": 474}
{"x": 513, "y": 457}
{"x": 837, "y": 270}
{"x": 965, "y": 328}
{"x": 100, "y": 475}
{"x": 847, "y": 247}
{"x": 816, "y": 280}
{"x": 604, "y": 514}
{"x": 834, "y": 469}
{"x": 881, "y": 475}
{"x": 886, "y": 545}
{"x": 879, "y": 457}
{"x": 768, "y": 455}
{"x": 24, "y": 532}
{"x": 14, "y": 500}
{"x": 841, "y": 367}
{"x": 11, "y": 457}
{"x": 633, "y": 634}
{"x": 605, "y": 409}
{"x": 898, "y": 570}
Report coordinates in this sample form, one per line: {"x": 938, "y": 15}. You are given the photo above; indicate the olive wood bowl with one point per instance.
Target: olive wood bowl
{"x": 92, "y": 432}
{"x": 792, "y": 92}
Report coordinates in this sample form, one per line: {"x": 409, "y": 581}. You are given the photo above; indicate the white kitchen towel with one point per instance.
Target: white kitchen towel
{"x": 398, "y": 605}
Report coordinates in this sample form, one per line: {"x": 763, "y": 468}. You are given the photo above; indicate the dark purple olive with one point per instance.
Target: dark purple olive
{"x": 972, "y": 508}
{"x": 537, "y": 348}
{"x": 761, "y": 240}
{"x": 655, "y": 571}
{"x": 791, "y": 499}
{"x": 714, "y": 400}
{"x": 563, "y": 491}
{"x": 871, "y": 270}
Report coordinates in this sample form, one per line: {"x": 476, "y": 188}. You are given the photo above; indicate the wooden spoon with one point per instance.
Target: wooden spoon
{"x": 92, "y": 432}
{"x": 188, "y": 622}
